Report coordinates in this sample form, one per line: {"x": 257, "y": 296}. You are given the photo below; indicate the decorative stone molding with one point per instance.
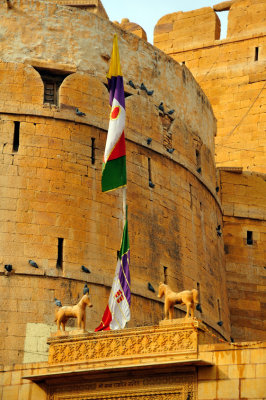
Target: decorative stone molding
{"x": 171, "y": 342}
{"x": 175, "y": 386}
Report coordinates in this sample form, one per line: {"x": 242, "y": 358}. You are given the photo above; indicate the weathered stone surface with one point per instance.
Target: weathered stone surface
{"x": 132, "y": 27}
{"x": 50, "y": 187}
{"x": 224, "y": 6}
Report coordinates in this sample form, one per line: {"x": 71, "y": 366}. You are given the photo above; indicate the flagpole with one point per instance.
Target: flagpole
{"x": 124, "y": 205}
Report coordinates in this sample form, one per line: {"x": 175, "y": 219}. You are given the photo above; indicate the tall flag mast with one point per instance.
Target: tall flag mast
{"x": 117, "y": 312}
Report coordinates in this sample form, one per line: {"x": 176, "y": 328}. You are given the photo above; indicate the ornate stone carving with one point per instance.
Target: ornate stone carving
{"x": 173, "y": 386}
{"x": 146, "y": 343}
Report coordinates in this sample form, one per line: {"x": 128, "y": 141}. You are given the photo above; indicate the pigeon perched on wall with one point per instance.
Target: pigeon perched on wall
{"x": 218, "y": 230}
{"x": 150, "y": 287}
{"x": 149, "y": 140}
{"x": 84, "y": 269}
{"x": 143, "y": 87}
{"x": 170, "y": 150}
{"x": 151, "y": 185}
{"x": 8, "y": 267}
{"x": 198, "y": 308}
{"x": 170, "y": 112}
{"x": 57, "y": 302}
{"x": 161, "y": 107}
{"x": 80, "y": 113}
{"x": 33, "y": 264}
{"x": 86, "y": 289}
{"x": 150, "y": 92}
{"x": 130, "y": 83}
{"x": 220, "y": 323}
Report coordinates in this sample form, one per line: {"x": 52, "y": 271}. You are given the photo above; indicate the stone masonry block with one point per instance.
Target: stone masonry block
{"x": 253, "y": 388}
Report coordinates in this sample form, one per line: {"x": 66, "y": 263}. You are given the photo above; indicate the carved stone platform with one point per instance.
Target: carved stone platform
{"x": 156, "y": 362}
{"x": 171, "y": 340}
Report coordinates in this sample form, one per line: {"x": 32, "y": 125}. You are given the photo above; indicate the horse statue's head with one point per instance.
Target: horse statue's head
{"x": 85, "y": 299}
{"x": 161, "y": 290}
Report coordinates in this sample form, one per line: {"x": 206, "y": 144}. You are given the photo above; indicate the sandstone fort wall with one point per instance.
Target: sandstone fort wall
{"x": 232, "y": 74}
{"x": 50, "y": 182}
{"x": 230, "y": 71}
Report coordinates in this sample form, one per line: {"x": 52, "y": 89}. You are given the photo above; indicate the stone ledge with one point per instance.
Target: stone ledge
{"x": 172, "y": 341}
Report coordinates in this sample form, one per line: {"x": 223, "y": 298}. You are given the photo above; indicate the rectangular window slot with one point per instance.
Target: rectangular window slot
{"x": 165, "y": 275}
{"x": 198, "y": 289}
{"x": 16, "y": 135}
{"x": 249, "y": 237}
{"x": 198, "y": 161}
{"x": 59, "y": 263}
{"x": 93, "y": 150}
{"x": 151, "y": 184}
{"x": 256, "y": 54}
{"x": 219, "y": 309}
{"x": 190, "y": 192}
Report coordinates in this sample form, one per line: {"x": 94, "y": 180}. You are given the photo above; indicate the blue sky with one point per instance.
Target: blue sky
{"x": 146, "y": 13}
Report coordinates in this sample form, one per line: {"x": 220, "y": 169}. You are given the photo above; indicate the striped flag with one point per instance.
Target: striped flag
{"x": 114, "y": 161}
{"x": 117, "y": 312}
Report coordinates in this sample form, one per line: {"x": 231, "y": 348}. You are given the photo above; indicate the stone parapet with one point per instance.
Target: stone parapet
{"x": 173, "y": 341}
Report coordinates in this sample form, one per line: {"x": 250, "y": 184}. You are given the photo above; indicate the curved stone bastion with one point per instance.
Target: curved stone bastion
{"x": 54, "y": 60}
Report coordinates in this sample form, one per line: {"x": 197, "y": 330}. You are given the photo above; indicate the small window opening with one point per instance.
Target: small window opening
{"x": 151, "y": 184}
{"x": 183, "y": 62}
{"x": 93, "y": 150}
{"x": 219, "y": 309}
{"x": 165, "y": 275}
{"x": 198, "y": 289}
{"x": 249, "y": 237}
{"x": 198, "y": 161}
{"x": 16, "y": 135}
{"x": 256, "y": 54}
{"x": 190, "y": 193}
{"x": 52, "y": 81}
{"x": 59, "y": 262}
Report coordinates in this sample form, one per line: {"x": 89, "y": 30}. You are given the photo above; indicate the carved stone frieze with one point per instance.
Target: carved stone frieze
{"x": 131, "y": 343}
{"x": 164, "y": 387}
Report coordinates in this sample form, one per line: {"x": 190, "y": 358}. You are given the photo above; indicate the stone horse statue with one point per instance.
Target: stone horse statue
{"x": 188, "y": 297}
{"x": 78, "y": 311}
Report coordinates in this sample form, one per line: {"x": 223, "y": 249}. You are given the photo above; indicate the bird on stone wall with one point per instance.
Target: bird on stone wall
{"x": 84, "y": 269}
{"x": 8, "y": 267}
{"x": 143, "y": 87}
{"x": 150, "y": 92}
{"x": 57, "y": 302}
{"x": 170, "y": 150}
{"x": 161, "y": 107}
{"x": 33, "y": 264}
{"x": 218, "y": 230}
{"x": 131, "y": 83}
{"x": 220, "y": 323}
{"x": 151, "y": 185}
{"x": 149, "y": 140}
{"x": 80, "y": 113}
{"x": 86, "y": 289}
{"x": 150, "y": 287}
{"x": 170, "y": 112}
{"x": 198, "y": 307}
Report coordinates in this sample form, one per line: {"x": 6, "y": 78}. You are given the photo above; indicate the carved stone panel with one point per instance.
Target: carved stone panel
{"x": 132, "y": 344}
{"x": 175, "y": 386}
